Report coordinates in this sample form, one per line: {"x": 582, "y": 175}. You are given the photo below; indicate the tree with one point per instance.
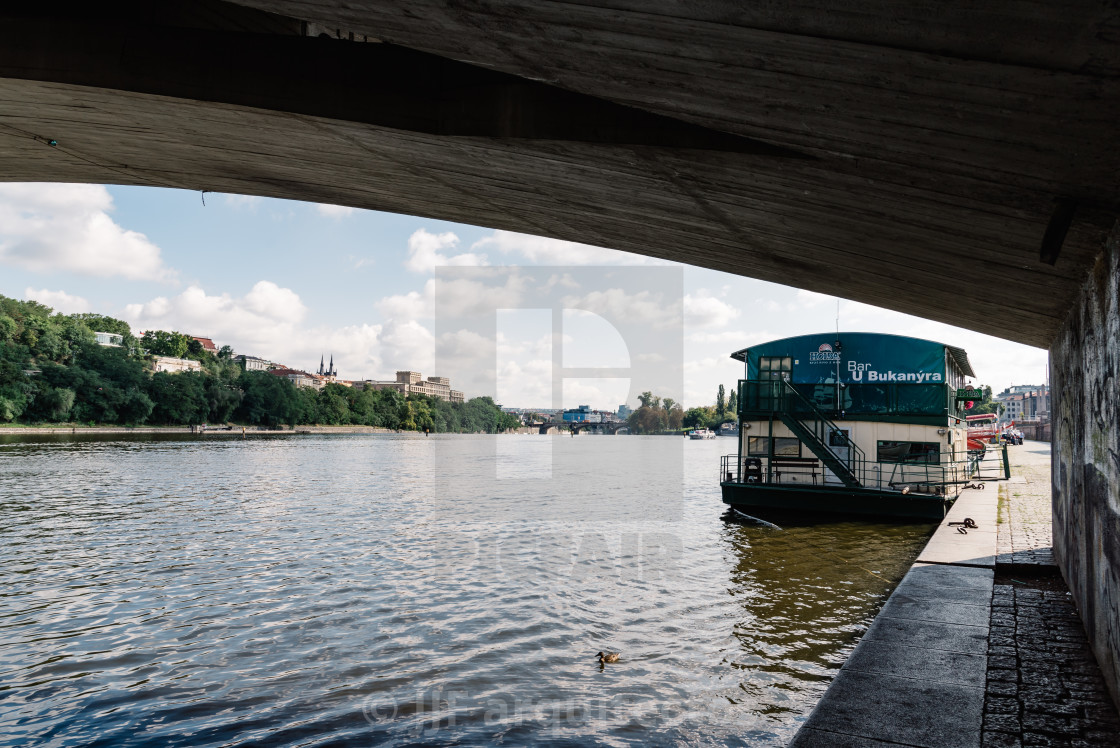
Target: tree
{"x": 646, "y": 398}
{"x": 694, "y": 418}
{"x": 733, "y": 403}
{"x": 721, "y": 402}
{"x": 163, "y": 343}
{"x": 668, "y": 403}
{"x": 101, "y": 323}
{"x": 267, "y": 400}
{"x": 221, "y": 399}
{"x": 334, "y": 406}
{"x": 179, "y": 398}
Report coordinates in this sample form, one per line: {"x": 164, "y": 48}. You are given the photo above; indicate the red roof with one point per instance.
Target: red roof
{"x": 207, "y": 343}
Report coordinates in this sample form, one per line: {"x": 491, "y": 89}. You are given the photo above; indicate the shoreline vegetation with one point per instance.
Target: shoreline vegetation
{"x": 54, "y": 374}
{"x": 10, "y": 429}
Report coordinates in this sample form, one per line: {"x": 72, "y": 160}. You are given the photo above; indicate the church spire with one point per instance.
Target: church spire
{"x": 321, "y": 360}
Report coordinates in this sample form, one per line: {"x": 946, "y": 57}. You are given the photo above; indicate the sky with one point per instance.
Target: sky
{"x": 292, "y": 282}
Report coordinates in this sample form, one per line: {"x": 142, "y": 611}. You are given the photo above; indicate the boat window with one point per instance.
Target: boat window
{"x": 784, "y": 446}
{"x": 775, "y": 367}
{"x": 926, "y": 452}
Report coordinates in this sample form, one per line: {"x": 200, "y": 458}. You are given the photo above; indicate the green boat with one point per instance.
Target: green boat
{"x": 858, "y": 424}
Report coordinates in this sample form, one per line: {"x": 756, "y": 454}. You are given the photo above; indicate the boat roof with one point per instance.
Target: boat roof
{"x": 959, "y": 356}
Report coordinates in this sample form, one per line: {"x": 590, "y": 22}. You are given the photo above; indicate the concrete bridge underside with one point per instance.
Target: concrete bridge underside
{"x": 955, "y": 161}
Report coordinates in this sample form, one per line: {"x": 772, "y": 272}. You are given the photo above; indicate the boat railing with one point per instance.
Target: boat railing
{"x": 939, "y": 477}
{"x": 848, "y": 398}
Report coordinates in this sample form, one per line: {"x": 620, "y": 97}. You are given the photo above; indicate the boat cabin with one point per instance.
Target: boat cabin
{"x": 852, "y": 423}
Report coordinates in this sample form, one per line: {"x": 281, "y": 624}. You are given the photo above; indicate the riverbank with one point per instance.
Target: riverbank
{"x": 212, "y": 431}
{"x": 980, "y": 644}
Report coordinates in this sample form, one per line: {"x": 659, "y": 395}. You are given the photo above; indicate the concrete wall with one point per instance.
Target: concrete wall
{"x": 1084, "y": 361}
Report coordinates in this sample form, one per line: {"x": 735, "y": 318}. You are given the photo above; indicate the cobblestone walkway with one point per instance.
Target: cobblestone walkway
{"x": 1043, "y": 686}
{"x": 1025, "y": 515}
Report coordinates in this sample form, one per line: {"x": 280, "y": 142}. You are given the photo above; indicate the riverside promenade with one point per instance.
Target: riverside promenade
{"x": 980, "y": 646}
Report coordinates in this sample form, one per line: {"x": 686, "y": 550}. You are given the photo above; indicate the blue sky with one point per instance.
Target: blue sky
{"x": 290, "y": 281}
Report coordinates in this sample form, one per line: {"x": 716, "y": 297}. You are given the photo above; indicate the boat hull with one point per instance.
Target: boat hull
{"x": 759, "y": 499}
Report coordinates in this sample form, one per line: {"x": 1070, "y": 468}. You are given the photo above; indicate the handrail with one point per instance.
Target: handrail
{"x": 855, "y": 454}
{"x": 919, "y": 476}
{"x": 893, "y": 398}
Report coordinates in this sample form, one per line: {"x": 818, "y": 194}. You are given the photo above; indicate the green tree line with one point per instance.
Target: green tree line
{"x": 52, "y": 371}
{"x": 658, "y": 415}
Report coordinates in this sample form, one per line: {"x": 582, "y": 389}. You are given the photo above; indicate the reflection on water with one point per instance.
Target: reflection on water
{"x": 323, "y": 590}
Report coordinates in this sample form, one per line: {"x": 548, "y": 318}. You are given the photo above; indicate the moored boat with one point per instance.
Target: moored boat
{"x": 853, "y": 423}
{"x": 704, "y": 433}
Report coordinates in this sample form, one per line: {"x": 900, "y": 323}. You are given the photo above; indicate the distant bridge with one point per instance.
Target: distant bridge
{"x": 608, "y": 427}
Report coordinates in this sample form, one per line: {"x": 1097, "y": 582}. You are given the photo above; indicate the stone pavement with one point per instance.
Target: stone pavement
{"x": 1044, "y": 687}
{"x": 1025, "y": 514}
{"x": 980, "y": 644}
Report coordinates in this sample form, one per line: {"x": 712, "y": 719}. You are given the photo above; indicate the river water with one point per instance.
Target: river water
{"x": 396, "y": 590}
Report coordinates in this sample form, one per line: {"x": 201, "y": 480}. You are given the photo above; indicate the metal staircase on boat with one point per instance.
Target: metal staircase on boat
{"x": 814, "y": 429}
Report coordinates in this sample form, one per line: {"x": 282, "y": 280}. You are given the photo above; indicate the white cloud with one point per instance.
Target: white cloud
{"x": 261, "y": 323}
{"x": 726, "y": 338}
{"x": 60, "y": 301}
{"x": 267, "y": 322}
{"x": 412, "y": 305}
{"x": 997, "y": 362}
{"x": 705, "y": 310}
{"x": 458, "y": 297}
{"x": 525, "y": 384}
{"x": 242, "y": 202}
{"x": 600, "y": 393}
{"x": 426, "y": 251}
{"x": 560, "y": 279}
{"x": 544, "y": 251}
{"x": 66, "y": 227}
{"x": 643, "y": 307}
{"x": 333, "y": 211}
{"x": 811, "y": 299}
{"x": 269, "y": 300}
{"x": 408, "y": 345}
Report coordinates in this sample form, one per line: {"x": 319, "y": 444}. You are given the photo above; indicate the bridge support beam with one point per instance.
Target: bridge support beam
{"x": 1085, "y": 411}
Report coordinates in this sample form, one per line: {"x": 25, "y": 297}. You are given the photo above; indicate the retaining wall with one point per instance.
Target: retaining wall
{"x": 1085, "y": 379}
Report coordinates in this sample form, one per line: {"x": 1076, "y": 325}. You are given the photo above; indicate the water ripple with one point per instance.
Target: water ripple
{"x": 320, "y": 591}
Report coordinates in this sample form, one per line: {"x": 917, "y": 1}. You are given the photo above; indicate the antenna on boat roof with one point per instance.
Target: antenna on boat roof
{"x": 837, "y": 317}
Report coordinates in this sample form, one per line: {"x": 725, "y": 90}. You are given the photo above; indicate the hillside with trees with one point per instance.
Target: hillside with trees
{"x": 52, "y": 370}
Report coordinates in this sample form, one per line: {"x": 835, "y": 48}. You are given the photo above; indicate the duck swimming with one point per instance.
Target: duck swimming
{"x": 608, "y": 657}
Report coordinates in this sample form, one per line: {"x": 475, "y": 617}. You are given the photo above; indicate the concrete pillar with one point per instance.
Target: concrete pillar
{"x": 1085, "y": 382}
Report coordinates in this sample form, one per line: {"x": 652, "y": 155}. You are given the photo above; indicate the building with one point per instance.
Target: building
{"x": 413, "y": 383}
{"x": 1036, "y": 405}
{"x": 252, "y": 363}
{"x": 1025, "y": 403}
{"x": 110, "y": 339}
{"x": 856, "y": 423}
{"x": 582, "y": 414}
{"x": 207, "y": 344}
{"x": 175, "y": 365}
{"x": 299, "y": 378}
{"x": 624, "y": 411}
{"x": 1018, "y": 389}
{"x": 327, "y": 373}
